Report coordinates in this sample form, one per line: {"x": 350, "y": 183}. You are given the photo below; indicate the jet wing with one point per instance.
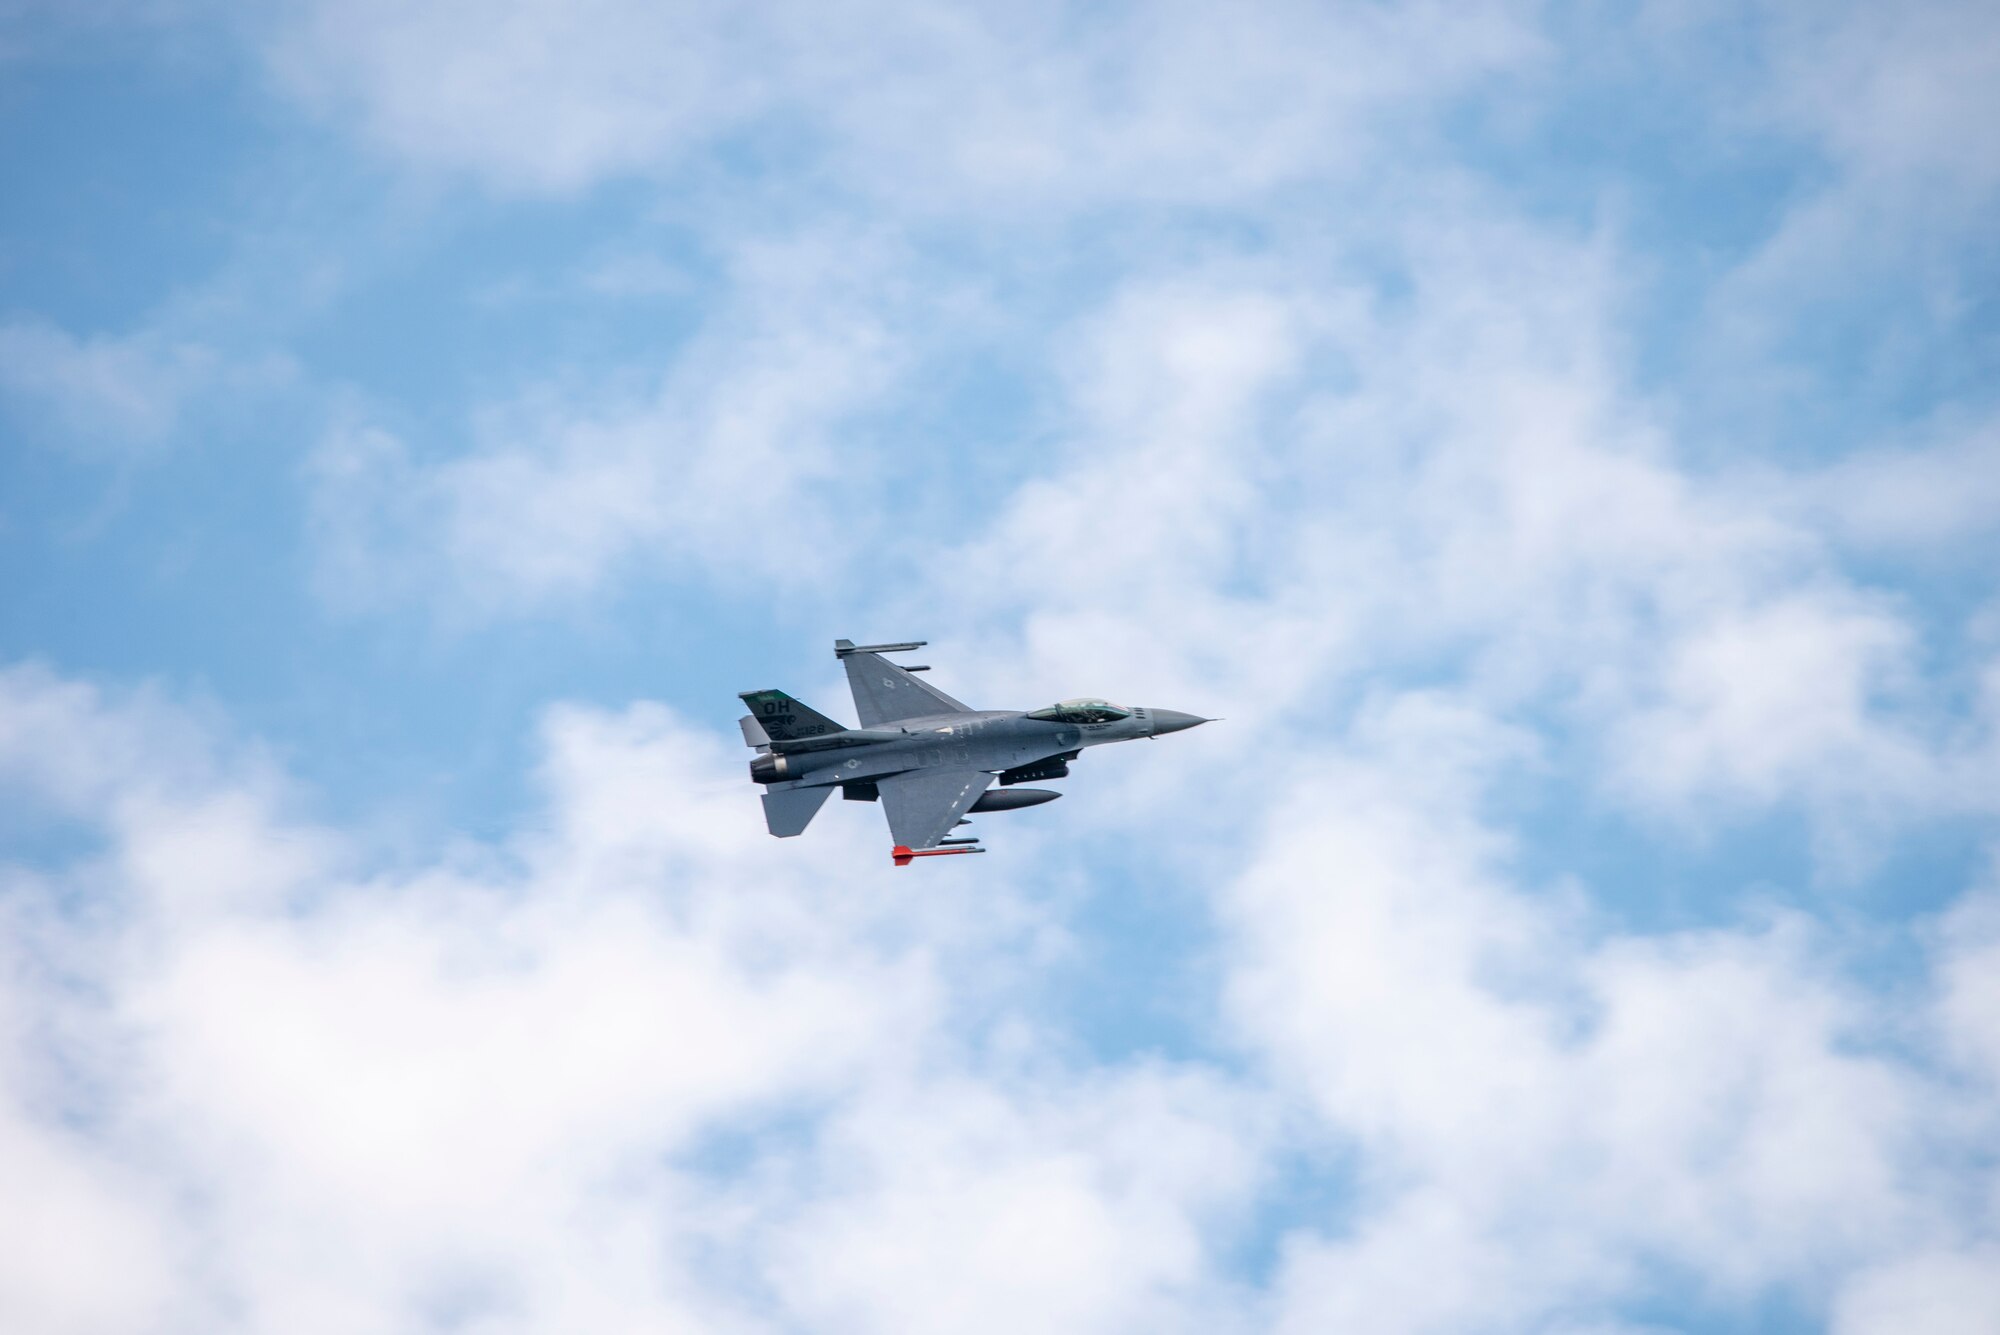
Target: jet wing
{"x": 885, "y": 693}
{"x": 924, "y": 804}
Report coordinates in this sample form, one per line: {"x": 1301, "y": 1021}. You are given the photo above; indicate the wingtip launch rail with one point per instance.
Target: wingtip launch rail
{"x": 842, "y": 648}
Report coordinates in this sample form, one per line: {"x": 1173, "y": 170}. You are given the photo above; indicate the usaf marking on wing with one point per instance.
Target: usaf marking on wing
{"x": 927, "y": 758}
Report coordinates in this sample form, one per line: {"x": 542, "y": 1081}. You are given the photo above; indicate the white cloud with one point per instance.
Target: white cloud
{"x": 1898, "y": 93}
{"x": 640, "y": 1063}
{"x": 489, "y": 1088}
{"x": 1935, "y": 1293}
{"x": 732, "y": 459}
{"x": 1868, "y": 261}
{"x": 1086, "y": 1205}
{"x": 1933, "y": 498}
{"x": 1542, "y": 1114}
{"x": 1969, "y": 986}
{"x": 1777, "y": 699}
{"x": 635, "y": 1064}
{"x": 1268, "y": 495}
{"x": 104, "y": 392}
{"x": 544, "y": 96}
{"x": 1006, "y": 105}
{"x": 1410, "y": 436}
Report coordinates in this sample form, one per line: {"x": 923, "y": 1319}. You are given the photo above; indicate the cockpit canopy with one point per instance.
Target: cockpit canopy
{"x": 1081, "y": 711}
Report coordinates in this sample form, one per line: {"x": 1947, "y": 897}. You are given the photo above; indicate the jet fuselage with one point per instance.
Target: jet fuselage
{"x": 995, "y": 740}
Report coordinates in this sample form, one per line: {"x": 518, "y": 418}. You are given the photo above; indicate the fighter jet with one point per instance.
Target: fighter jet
{"x": 924, "y": 756}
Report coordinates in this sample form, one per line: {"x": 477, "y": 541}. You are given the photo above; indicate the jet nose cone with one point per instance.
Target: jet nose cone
{"x": 1172, "y": 720}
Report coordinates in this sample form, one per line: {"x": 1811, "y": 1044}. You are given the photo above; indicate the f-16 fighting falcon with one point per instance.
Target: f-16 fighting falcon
{"x": 927, "y": 758}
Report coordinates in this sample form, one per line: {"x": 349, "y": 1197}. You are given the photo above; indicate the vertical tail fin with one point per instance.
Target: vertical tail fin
{"x": 784, "y": 719}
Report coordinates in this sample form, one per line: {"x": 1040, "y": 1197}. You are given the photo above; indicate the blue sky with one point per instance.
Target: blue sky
{"x": 1561, "y": 440}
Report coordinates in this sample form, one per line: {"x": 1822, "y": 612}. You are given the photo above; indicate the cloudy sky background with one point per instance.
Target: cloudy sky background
{"x": 1563, "y": 440}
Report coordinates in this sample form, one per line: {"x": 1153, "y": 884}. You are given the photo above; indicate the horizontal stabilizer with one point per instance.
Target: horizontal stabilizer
{"x": 788, "y": 811}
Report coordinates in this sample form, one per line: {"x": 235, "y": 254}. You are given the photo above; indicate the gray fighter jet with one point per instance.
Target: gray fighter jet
{"x": 927, "y": 758}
